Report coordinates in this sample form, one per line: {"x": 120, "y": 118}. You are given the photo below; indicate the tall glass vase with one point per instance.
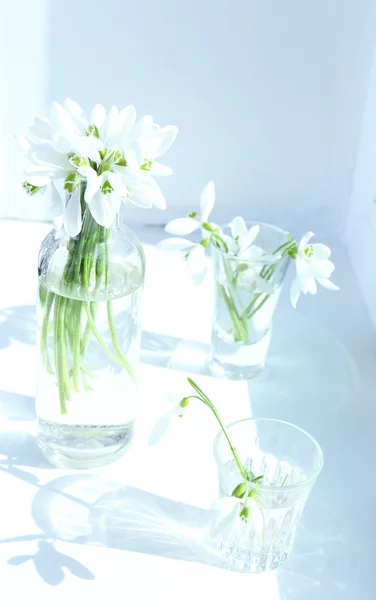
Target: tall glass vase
{"x": 246, "y": 294}
{"x": 90, "y": 291}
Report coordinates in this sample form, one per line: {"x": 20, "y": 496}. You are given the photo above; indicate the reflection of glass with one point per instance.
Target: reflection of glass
{"x": 90, "y": 291}
{"x": 247, "y": 291}
{"x": 290, "y": 460}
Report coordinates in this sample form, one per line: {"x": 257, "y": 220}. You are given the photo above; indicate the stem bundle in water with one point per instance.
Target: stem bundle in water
{"x": 86, "y": 274}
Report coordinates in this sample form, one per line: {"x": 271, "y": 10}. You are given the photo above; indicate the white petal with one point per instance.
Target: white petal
{"x": 98, "y": 115}
{"x": 48, "y": 156}
{"x": 37, "y": 179}
{"x": 255, "y": 519}
{"x": 50, "y": 172}
{"x": 140, "y": 198}
{"x": 196, "y": 260}
{"x": 263, "y": 285}
{"x": 61, "y": 143}
{"x": 77, "y": 115}
{"x": 329, "y": 285}
{"x": 57, "y": 201}
{"x": 238, "y": 226}
{"x": 247, "y": 239}
{"x": 160, "y": 170}
{"x": 115, "y": 179}
{"x": 23, "y": 144}
{"x": 93, "y": 182}
{"x": 73, "y": 108}
{"x": 126, "y": 120}
{"x": 111, "y": 122}
{"x": 86, "y": 146}
{"x": 175, "y": 244}
{"x": 230, "y": 243}
{"x": 161, "y": 141}
{"x": 321, "y": 268}
{"x": 321, "y": 251}
{"x": 207, "y": 200}
{"x": 182, "y": 226}
{"x": 225, "y": 505}
{"x": 101, "y": 211}
{"x": 295, "y": 292}
{"x": 60, "y": 119}
{"x": 41, "y": 128}
{"x": 134, "y": 156}
{"x": 113, "y": 201}
{"x": 142, "y": 130}
{"x": 72, "y": 214}
{"x": 304, "y": 241}
{"x": 149, "y": 189}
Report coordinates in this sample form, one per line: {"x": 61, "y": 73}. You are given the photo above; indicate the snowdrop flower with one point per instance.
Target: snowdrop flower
{"x": 195, "y": 220}
{"x": 173, "y": 414}
{"x": 195, "y": 253}
{"x": 242, "y": 246}
{"x": 113, "y": 154}
{"x": 242, "y": 237}
{"x": 312, "y": 265}
{"x": 236, "y": 520}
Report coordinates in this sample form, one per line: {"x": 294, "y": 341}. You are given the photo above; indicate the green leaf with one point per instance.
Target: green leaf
{"x": 257, "y": 479}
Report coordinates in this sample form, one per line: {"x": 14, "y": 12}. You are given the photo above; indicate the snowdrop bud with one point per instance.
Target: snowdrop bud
{"x": 184, "y": 402}
{"x": 240, "y": 490}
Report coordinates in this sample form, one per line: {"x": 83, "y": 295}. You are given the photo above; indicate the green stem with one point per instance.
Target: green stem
{"x": 115, "y": 341}
{"x": 204, "y": 398}
{"x": 99, "y": 339}
{"x": 241, "y": 334}
{"x": 58, "y": 338}
{"x": 77, "y": 312}
{"x": 44, "y": 332}
{"x": 87, "y": 332}
{"x": 267, "y": 296}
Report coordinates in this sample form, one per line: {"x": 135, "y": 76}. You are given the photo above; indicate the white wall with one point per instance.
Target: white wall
{"x": 361, "y": 225}
{"x": 24, "y": 50}
{"x": 268, "y": 95}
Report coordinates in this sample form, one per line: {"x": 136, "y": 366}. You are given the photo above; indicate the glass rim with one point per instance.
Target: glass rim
{"x": 254, "y": 261}
{"x": 276, "y": 488}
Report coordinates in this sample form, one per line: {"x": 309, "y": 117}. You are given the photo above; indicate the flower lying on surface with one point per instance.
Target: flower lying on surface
{"x": 312, "y": 265}
{"x": 173, "y": 414}
{"x": 237, "y": 517}
{"x": 115, "y": 154}
{"x": 236, "y": 520}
